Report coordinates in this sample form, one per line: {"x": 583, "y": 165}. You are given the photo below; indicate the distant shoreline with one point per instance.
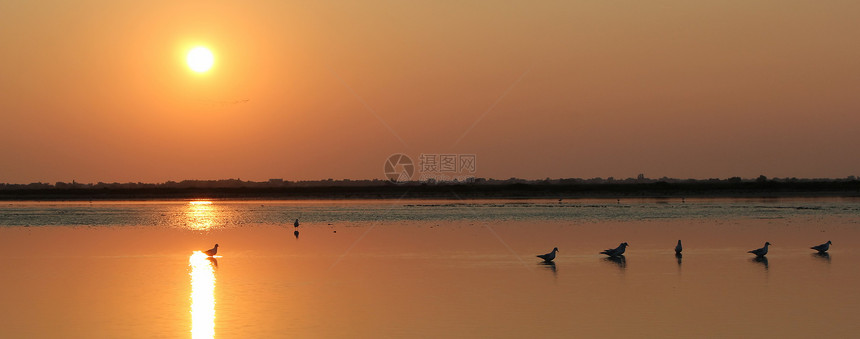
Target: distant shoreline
{"x": 464, "y": 191}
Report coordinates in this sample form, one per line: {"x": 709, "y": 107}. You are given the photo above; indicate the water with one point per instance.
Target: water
{"x": 428, "y": 269}
{"x": 180, "y": 214}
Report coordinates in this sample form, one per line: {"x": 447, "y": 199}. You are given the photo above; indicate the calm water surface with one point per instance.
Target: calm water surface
{"x": 221, "y": 214}
{"x": 428, "y": 269}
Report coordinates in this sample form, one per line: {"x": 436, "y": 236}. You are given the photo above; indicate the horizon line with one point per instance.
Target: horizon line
{"x": 639, "y": 179}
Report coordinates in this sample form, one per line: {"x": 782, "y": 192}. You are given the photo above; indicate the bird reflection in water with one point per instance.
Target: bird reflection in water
{"x": 550, "y": 265}
{"x": 679, "y": 257}
{"x": 761, "y": 260}
{"x": 296, "y": 233}
{"x": 824, "y": 256}
{"x": 202, "y": 295}
{"x": 619, "y": 260}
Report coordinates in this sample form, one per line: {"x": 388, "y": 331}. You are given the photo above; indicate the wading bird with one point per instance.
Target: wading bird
{"x": 549, "y": 256}
{"x": 823, "y": 247}
{"x": 211, "y": 252}
{"x": 760, "y": 252}
{"x": 614, "y": 252}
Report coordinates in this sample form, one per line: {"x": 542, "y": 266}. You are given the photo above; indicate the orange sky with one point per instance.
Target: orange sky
{"x": 99, "y": 90}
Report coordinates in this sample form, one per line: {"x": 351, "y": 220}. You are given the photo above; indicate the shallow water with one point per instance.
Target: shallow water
{"x": 446, "y": 272}
{"x": 207, "y": 214}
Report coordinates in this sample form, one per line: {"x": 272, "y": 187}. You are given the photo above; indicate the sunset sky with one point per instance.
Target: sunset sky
{"x": 100, "y": 90}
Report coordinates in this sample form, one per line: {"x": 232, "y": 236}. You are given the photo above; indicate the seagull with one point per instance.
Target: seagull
{"x": 211, "y": 252}
{"x": 296, "y": 224}
{"x": 761, "y": 251}
{"x": 614, "y": 252}
{"x": 678, "y": 248}
{"x": 549, "y": 256}
{"x": 823, "y": 247}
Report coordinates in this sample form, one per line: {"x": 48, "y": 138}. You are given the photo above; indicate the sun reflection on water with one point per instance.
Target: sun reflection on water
{"x": 201, "y": 215}
{"x": 202, "y": 295}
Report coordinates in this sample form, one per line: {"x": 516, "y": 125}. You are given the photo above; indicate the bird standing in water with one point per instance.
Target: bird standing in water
{"x": 211, "y": 252}
{"x": 678, "y": 248}
{"x": 614, "y": 252}
{"x": 823, "y": 247}
{"x": 549, "y": 256}
{"x": 760, "y": 252}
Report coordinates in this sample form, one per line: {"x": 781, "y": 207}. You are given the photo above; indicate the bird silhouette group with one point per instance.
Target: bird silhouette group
{"x": 616, "y": 252}
{"x": 619, "y": 251}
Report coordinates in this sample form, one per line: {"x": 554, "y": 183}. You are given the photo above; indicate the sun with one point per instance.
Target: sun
{"x": 200, "y": 59}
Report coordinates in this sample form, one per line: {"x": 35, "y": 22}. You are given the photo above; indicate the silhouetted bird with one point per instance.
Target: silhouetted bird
{"x": 549, "y": 256}
{"x": 614, "y": 252}
{"x": 760, "y": 252}
{"x": 296, "y": 233}
{"x": 212, "y": 251}
{"x": 296, "y": 224}
{"x": 823, "y": 247}
{"x": 678, "y": 248}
